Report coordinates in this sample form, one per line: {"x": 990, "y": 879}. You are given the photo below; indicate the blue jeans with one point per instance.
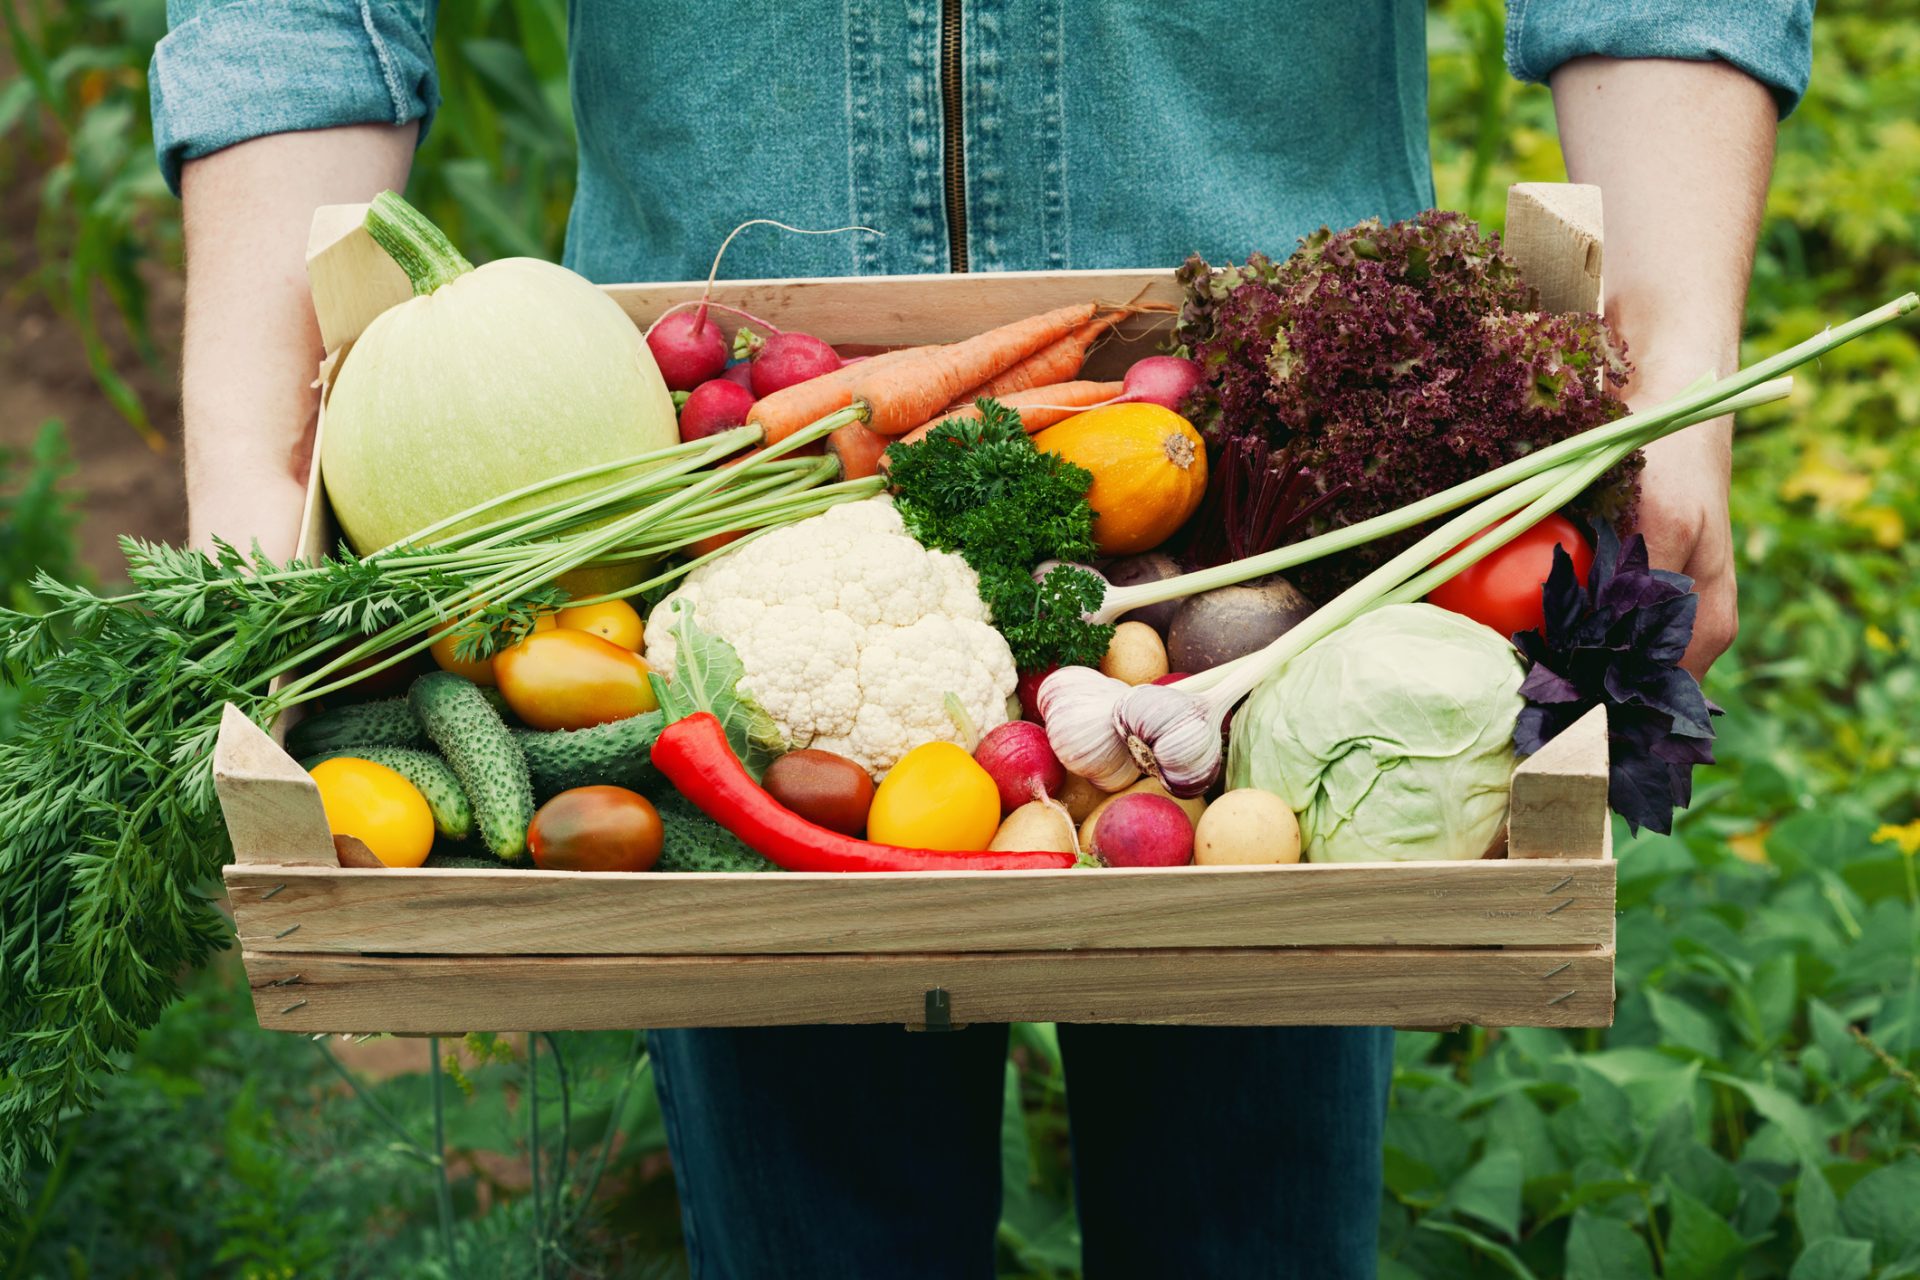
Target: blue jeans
{"x": 873, "y": 1153}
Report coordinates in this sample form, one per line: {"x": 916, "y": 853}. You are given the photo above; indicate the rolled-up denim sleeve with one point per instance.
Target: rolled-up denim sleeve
{"x": 231, "y": 70}
{"x": 1770, "y": 40}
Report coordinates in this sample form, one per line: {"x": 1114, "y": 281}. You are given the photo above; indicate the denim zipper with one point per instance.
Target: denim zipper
{"x": 954, "y": 160}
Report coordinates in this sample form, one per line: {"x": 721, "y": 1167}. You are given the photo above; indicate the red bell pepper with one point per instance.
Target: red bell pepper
{"x": 693, "y": 754}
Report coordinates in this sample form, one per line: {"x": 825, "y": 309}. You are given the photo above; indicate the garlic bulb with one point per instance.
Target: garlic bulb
{"x": 1076, "y": 704}
{"x": 1172, "y": 735}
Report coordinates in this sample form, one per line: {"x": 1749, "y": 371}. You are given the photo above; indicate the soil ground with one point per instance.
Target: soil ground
{"x": 125, "y": 485}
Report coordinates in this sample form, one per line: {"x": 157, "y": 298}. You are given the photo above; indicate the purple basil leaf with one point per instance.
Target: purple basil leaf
{"x": 1606, "y": 555}
{"x": 1640, "y": 789}
{"x": 1563, "y": 600}
{"x": 1662, "y": 631}
{"x": 1546, "y": 685}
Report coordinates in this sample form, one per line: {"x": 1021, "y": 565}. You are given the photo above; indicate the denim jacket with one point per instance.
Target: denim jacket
{"x": 984, "y": 135}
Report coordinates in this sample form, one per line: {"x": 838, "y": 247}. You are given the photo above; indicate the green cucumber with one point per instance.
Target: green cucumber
{"x": 483, "y": 755}
{"x": 387, "y": 723}
{"x": 618, "y": 754}
{"x": 452, "y": 815}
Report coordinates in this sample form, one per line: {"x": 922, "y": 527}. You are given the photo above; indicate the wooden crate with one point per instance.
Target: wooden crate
{"x": 1521, "y": 940}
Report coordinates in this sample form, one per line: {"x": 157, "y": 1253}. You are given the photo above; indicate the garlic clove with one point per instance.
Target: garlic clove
{"x": 1076, "y": 706}
{"x": 1172, "y": 735}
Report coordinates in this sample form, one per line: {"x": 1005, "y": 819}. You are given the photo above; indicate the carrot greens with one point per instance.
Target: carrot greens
{"x": 109, "y": 832}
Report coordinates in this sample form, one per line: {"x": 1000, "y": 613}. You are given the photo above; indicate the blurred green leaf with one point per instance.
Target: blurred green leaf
{"x": 1606, "y": 1249}
{"x": 1700, "y": 1244}
{"x": 1490, "y": 1192}
{"x": 1884, "y": 1207}
{"x": 1834, "y": 1258}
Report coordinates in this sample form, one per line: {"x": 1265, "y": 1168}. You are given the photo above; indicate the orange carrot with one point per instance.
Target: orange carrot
{"x": 858, "y": 449}
{"x": 786, "y": 411}
{"x": 1055, "y": 363}
{"x": 1038, "y": 406}
{"x": 901, "y": 396}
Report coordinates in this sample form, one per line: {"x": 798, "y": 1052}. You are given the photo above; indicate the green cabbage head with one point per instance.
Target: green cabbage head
{"x": 1392, "y": 738}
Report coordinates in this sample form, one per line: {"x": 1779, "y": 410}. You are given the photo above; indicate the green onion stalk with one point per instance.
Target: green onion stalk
{"x": 1705, "y": 400}
{"x": 1174, "y": 732}
{"x": 109, "y": 827}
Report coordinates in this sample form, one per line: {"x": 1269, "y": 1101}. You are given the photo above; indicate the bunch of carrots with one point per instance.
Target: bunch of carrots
{"x": 1029, "y": 365}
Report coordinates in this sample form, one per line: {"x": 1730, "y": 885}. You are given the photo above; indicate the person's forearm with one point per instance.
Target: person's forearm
{"x": 1682, "y": 152}
{"x": 252, "y": 347}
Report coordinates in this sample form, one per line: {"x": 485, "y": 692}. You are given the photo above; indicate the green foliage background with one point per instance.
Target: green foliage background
{"x": 1754, "y": 1112}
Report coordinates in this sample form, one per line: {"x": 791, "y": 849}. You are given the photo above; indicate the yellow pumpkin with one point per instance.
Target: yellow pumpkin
{"x": 1149, "y": 471}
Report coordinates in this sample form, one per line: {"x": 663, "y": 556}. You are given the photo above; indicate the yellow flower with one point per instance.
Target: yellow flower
{"x": 1882, "y": 524}
{"x": 1878, "y": 640}
{"x": 1751, "y": 846}
{"x": 1906, "y": 836}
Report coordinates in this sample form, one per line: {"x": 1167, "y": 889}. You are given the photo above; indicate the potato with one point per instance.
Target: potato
{"x": 1035, "y": 826}
{"x": 1218, "y": 626}
{"x": 1136, "y": 655}
{"x": 1246, "y": 827}
{"x": 1146, "y": 786}
{"x": 1080, "y": 797}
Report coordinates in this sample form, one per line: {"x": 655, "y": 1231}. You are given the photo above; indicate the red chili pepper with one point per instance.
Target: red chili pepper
{"x": 694, "y": 755}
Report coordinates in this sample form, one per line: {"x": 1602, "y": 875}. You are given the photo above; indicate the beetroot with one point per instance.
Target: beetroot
{"x": 714, "y": 406}
{"x": 787, "y": 359}
{"x": 1140, "y": 829}
{"x": 1148, "y": 566}
{"x": 689, "y": 348}
{"x": 1017, "y": 757}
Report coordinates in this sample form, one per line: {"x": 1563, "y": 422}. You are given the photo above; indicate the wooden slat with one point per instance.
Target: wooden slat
{"x": 562, "y": 913}
{"x": 1559, "y": 805}
{"x": 1554, "y": 235}
{"x": 891, "y": 311}
{"x": 1295, "y": 987}
{"x": 272, "y": 808}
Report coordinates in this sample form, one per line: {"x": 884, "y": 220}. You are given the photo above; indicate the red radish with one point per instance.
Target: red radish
{"x": 788, "y": 359}
{"x": 715, "y": 405}
{"x": 1172, "y": 677}
{"x": 1028, "y": 691}
{"x": 688, "y": 347}
{"x": 1016, "y": 756}
{"x": 1143, "y": 830}
{"x": 1161, "y": 380}
{"x": 741, "y": 373}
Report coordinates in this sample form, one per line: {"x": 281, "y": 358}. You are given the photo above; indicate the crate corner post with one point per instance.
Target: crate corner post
{"x": 271, "y": 805}
{"x": 1554, "y": 235}
{"x": 351, "y": 278}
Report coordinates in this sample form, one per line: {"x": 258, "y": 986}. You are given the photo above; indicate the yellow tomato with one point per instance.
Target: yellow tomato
{"x": 480, "y": 671}
{"x": 377, "y": 807}
{"x": 937, "y": 797}
{"x": 566, "y": 679}
{"x": 612, "y": 620}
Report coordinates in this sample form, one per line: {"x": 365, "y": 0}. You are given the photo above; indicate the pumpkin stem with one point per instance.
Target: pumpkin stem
{"x": 409, "y": 237}
{"x": 1179, "y": 449}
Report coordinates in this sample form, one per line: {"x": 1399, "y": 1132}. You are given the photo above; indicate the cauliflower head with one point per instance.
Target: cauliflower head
{"x": 852, "y": 634}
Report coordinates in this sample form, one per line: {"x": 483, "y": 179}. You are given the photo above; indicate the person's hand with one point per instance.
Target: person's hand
{"x": 1683, "y": 514}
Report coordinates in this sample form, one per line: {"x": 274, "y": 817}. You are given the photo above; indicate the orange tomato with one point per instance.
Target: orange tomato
{"x": 595, "y": 829}
{"x": 377, "y": 807}
{"x": 479, "y": 671}
{"x": 564, "y": 679}
{"x": 612, "y": 620}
